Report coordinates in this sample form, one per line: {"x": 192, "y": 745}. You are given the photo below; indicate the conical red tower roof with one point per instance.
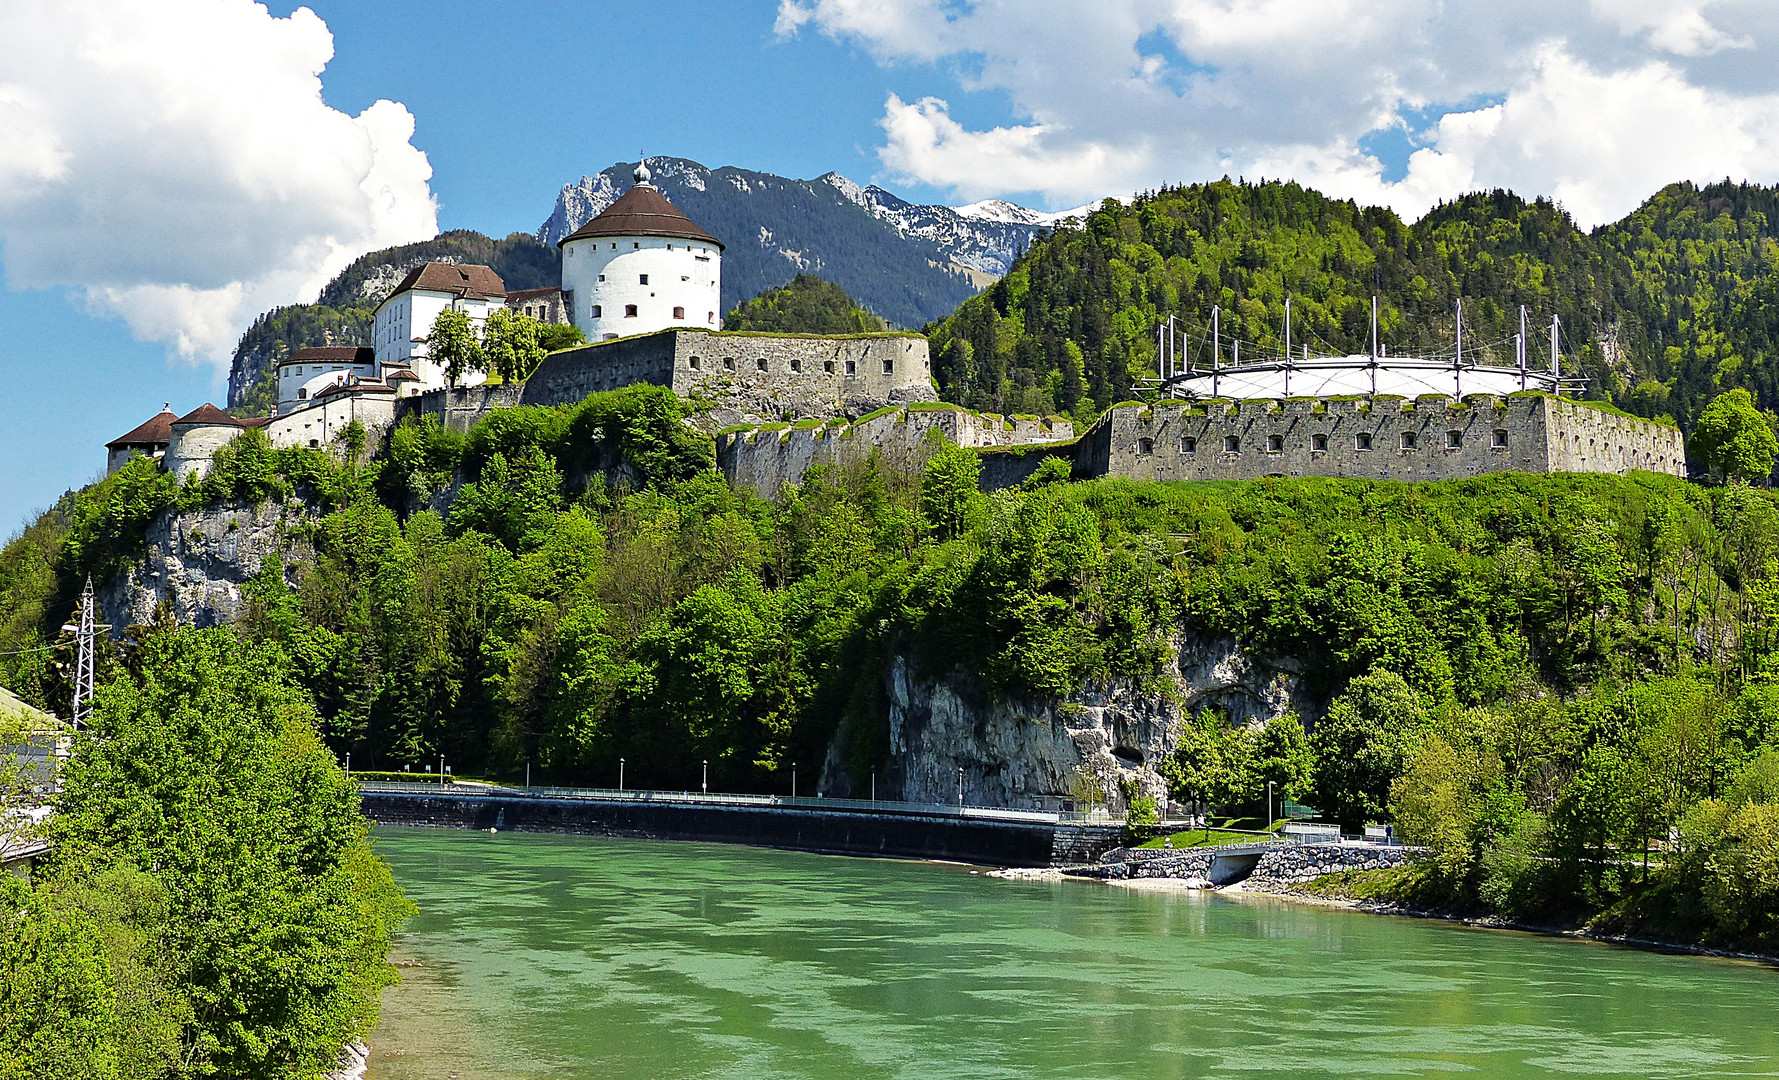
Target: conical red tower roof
{"x": 642, "y": 211}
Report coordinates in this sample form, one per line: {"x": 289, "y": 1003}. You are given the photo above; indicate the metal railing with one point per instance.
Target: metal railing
{"x": 735, "y": 799}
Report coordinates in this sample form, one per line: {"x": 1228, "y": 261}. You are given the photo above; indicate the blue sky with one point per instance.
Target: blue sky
{"x": 169, "y": 170}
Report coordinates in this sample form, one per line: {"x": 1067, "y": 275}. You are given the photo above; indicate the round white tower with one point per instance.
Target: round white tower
{"x": 640, "y": 267}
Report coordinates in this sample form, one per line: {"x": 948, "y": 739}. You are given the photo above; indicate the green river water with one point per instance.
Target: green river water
{"x": 564, "y": 956}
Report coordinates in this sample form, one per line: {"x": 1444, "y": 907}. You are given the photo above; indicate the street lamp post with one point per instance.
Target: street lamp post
{"x": 704, "y": 785}
{"x": 873, "y": 785}
{"x": 1269, "y": 785}
{"x": 348, "y": 763}
{"x": 441, "y": 770}
{"x": 960, "y": 787}
{"x": 620, "y": 774}
{"x": 527, "y": 773}
{"x": 793, "y": 779}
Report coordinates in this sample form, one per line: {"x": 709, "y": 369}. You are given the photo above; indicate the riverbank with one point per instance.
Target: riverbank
{"x": 1332, "y": 876}
{"x": 1485, "y": 921}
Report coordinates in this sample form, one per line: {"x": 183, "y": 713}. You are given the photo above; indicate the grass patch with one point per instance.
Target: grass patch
{"x": 1192, "y": 838}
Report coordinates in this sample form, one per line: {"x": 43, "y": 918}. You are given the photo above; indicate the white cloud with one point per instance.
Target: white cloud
{"x": 1596, "y": 104}
{"x": 174, "y": 163}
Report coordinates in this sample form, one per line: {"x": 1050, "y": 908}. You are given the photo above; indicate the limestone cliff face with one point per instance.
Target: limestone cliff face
{"x": 1036, "y": 753}
{"x": 197, "y": 563}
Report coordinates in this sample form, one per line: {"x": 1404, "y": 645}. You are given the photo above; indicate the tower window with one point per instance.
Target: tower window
{"x": 1189, "y": 445}
{"x": 602, "y": 277}
{"x": 302, "y": 393}
{"x": 761, "y": 363}
{"x": 1408, "y": 440}
{"x": 852, "y": 368}
{"x": 1454, "y": 440}
{"x": 889, "y": 366}
{"x": 1232, "y": 444}
{"x": 729, "y": 363}
{"x": 1275, "y": 444}
{"x": 1145, "y": 446}
{"x": 796, "y": 363}
{"x": 679, "y": 312}
{"x": 828, "y": 366}
{"x": 633, "y": 246}
{"x": 1318, "y": 443}
{"x": 596, "y": 309}
{"x": 644, "y": 277}
{"x": 630, "y": 311}
{"x": 692, "y": 363}
{"x": 1362, "y": 441}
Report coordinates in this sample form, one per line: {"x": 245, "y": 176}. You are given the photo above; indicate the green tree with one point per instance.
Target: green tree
{"x": 511, "y": 345}
{"x": 948, "y": 492}
{"x": 1213, "y": 763}
{"x": 1733, "y": 439}
{"x": 204, "y": 772}
{"x": 1285, "y": 758}
{"x": 553, "y": 337}
{"x": 1362, "y": 745}
{"x": 453, "y": 345}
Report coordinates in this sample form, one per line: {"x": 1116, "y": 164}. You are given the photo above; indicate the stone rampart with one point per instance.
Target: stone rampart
{"x": 748, "y": 377}
{"x": 1384, "y": 438}
{"x": 770, "y": 456}
{"x": 459, "y": 407}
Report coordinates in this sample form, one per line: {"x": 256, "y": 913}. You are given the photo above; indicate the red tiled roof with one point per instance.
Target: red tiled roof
{"x": 352, "y": 388}
{"x": 331, "y": 354}
{"x": 470, "y": 281}
{"x": 255, "y": 421}
{"x": 400, "y": 373}
{"x": 157, "y": 430}
{"x": 209, "y": 414}
{"x": 525, "y": 296}
{"x": 642, "y": 211}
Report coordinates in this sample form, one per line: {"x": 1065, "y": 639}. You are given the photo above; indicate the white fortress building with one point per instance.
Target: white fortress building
{"x": 403, "y": 321}
{"x": 640, "y": 267}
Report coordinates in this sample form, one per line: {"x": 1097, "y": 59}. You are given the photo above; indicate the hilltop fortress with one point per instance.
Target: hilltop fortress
{"x": 641, "y": 282}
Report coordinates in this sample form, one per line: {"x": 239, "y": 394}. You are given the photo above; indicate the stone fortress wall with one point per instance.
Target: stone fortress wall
{"x": 1432, "y": 438}
{"x": 749, "y": 377}
{"x": 769, "y": 456}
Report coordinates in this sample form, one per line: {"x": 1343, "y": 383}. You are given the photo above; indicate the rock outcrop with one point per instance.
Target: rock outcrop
{"x": 1039, "y": 753}
{"x": 198, "y": 561}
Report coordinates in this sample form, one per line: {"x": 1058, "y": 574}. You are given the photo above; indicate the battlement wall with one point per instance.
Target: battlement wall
{"x": 1432, "y": 438}
{"x": 770, "y": 456}
{"x": 459, "y": 407}
{"x": 748, "y": 378}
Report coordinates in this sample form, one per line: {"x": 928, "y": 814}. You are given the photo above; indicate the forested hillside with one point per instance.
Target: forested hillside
{"x": 1578, "y": 663}
{"x": 807, "y": 305}
{"x": 1661, "y": 310}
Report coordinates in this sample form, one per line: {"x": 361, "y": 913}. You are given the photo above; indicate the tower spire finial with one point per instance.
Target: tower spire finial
{"x": 642, "y": 176}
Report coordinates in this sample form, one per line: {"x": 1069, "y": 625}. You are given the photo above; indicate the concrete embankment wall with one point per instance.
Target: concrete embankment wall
{"x": 896, "y": 835}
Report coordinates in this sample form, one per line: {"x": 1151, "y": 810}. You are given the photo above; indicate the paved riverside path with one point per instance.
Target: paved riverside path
{"x": 992, "y": 836}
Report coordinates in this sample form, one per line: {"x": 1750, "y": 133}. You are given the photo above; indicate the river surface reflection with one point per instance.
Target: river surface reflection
{"x": 564, "y": 956}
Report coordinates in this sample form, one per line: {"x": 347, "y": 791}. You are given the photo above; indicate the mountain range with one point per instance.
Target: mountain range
{"x": 907, "y": 263}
